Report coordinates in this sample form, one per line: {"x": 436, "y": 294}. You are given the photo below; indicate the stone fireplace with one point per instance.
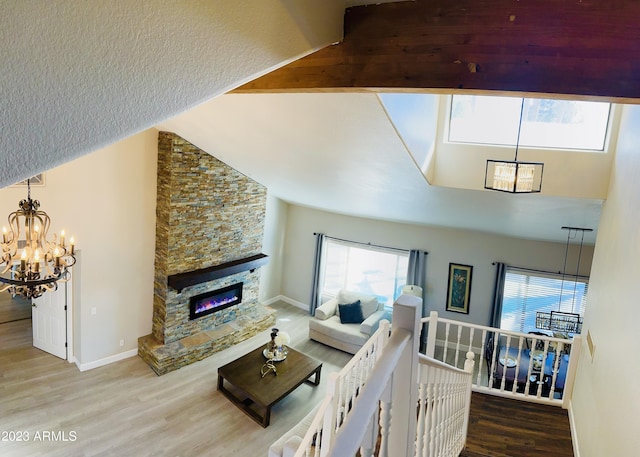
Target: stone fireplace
{"x": 209, "y": 231}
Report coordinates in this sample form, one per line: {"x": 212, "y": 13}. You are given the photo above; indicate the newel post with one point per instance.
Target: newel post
{"x": 431, "y": 335}
{"x": 329, "y": 421}
{"x": 404, "y": 384}
{"x": 574, "y": 357}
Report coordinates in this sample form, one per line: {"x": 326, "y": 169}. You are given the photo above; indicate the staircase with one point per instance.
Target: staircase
{"x": 391, "y": 400}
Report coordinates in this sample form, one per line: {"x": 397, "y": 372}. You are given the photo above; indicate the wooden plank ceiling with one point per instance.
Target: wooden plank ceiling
{"x": 580, "y": 48}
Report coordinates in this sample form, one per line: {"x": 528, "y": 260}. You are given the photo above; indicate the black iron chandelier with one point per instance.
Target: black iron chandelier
{"x": 560, "y": 321}
{"x": 514, "y": 176}
{"x": 32, "y": 264}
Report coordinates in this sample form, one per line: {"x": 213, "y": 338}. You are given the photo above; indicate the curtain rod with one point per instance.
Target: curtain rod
{"x": 540, "y": 271}
{"x": 366, "y": 244}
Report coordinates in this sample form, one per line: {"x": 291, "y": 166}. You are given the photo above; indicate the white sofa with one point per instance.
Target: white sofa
{"x": 325, "y": 327}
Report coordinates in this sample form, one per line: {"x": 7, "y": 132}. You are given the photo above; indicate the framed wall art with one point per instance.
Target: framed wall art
{"x": 459, "y": 288}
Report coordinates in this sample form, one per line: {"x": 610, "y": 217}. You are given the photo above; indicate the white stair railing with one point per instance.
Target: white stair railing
{"x": 343, "y": 389}
{"x": 357, "y": 412}
{"x": 535, "y": 368}
{"x": 443, "y": 407}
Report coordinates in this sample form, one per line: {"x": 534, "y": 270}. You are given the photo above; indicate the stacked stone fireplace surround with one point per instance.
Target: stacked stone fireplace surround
{"x": 207, "y": 214}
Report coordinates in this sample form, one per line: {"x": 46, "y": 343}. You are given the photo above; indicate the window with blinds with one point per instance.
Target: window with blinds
{"x": 366, "y": 269}
{"x": 526, "y": 293}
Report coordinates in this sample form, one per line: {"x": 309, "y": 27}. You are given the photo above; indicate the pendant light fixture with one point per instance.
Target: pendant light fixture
{"x": 563, "y": 321}
{"x": 33, "y": 264}
{"x": 513, "y": 176}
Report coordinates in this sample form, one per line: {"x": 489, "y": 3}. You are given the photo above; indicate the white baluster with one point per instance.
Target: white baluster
{"x": 318, "y": 447}
{"x": 439, "y": 415}
{"x": 447, "y": 327}
{"x": 430, "y": 419}
{"x": 518, "y": 365}
{"x": 481, "y": 360}
{"x": 471, "y": 335}
{"x": 340, "y": 410}
{"x": 455, "y": 362}
{"x": 557, "y": 357}
{"x": 369, "y": 441}
{"x": 504, "y": 366}
{"x": 385, "y": 421}
{"x": 496, "y": 338}
{"x": 420, "y": 431}
{"x": 449, "y": 409}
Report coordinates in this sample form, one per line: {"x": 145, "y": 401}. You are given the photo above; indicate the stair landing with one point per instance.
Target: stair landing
{"x": 501, "y": 427}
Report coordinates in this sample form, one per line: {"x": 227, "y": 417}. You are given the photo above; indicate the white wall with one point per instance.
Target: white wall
{"x": 107, "y": 200}
{"x": 606, "y": 402}
{"x": 273, "y": 246}
{"x": 443, "y": 245}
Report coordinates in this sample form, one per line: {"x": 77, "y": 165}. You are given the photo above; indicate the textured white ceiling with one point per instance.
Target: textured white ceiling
{"x": 77, "y": 76}
{"x": 340, "y": 152}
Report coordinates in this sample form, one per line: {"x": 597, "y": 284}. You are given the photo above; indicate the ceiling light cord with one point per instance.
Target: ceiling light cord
{"x": 575, "y": 284}
{"x": 564, "y": 269}
{"x": 519, "y": 128}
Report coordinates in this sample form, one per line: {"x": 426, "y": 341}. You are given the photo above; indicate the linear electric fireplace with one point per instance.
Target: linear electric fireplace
{"x": 210, "y": 302}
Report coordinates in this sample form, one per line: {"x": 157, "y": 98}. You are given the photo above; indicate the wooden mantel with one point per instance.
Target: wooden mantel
{"x": 181, "y": 280}
{"x": 579, "y": 48}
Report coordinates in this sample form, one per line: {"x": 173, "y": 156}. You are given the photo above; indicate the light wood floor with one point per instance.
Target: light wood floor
{"x": 124, "y": 409}
{"x": 13, "y": 309}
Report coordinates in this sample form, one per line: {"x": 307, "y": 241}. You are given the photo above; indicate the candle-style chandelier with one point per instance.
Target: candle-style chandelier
{"x": 41, "y": 263}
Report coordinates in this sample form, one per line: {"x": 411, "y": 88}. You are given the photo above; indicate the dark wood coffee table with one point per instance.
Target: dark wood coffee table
{"x": 255, "y": 395}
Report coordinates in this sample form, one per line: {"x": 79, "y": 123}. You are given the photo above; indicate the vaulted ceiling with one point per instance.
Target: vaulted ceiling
{"x": 341, "y": 152}
{"x": 316, "y": 133}
{"x": 77, "y": 77}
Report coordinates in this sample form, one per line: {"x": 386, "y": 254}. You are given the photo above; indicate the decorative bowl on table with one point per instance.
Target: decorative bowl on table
{"x": 276, "y": 349}
{"x": 508, "y": 362}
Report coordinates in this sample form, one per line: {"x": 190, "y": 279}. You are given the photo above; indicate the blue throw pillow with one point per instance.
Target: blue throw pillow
{"x": 351, "y": 313}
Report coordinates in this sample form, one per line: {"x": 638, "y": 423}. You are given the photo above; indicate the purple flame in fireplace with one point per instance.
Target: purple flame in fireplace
{"x": 217, "y": 300}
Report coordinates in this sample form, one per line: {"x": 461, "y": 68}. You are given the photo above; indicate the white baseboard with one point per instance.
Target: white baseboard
{"x": 271, "y": 301}
{"x": 107, "y": 360}
{"x": 572, "y": 426}
{"x": 291, "y": 301}
{"x": 451, "y": 345}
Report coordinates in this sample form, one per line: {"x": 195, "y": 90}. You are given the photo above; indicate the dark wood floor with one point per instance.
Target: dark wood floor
{"x": 499, "y": 427}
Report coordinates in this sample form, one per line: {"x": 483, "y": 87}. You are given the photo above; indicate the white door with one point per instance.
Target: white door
{"x": 49, "y": 319}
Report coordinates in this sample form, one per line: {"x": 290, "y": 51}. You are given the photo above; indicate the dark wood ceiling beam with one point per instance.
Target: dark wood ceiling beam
{"x": 586, "y": 48}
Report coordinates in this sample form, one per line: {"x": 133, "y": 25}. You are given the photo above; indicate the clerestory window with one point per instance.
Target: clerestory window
{"x": 546, "y": 123}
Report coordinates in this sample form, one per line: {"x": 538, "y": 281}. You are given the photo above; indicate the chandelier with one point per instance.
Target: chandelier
{"x": 32, "y": 264}
{"x": 513, "y": 176}
{"x": 560, "y": 321}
